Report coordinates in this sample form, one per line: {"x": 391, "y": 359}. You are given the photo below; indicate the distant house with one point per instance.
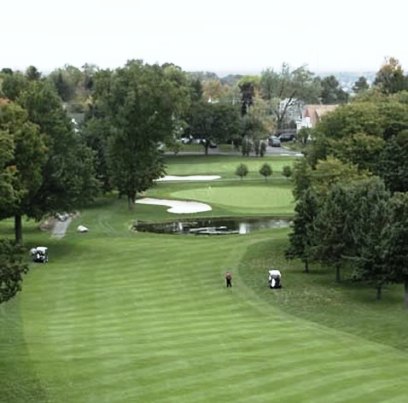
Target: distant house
{"x": 312, "y": 114}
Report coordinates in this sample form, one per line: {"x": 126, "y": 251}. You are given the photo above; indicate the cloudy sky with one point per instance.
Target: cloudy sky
{"x": 223, "y": 36}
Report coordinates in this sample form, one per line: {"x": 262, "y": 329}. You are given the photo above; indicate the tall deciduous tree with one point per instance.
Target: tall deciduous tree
{"x": 370, "y": 217}
{"x": 332, "y": 228}
{"x": 287, "y": 89}
{"x": 68, "y": 175}
{"x": 393, "y": 163}
{"x": 142, "y": 104}
{"x": 27, "y": 161}
{"x": 213, "y": 122}
{"x": 396, "y": 248}
{"x": 390, "y": 78}
{"x": 332, "y": 93}
{"x": 302, "y": 237}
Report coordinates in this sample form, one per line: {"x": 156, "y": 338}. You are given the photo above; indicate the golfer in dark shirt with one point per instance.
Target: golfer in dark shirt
{"x": 228, "y": 279}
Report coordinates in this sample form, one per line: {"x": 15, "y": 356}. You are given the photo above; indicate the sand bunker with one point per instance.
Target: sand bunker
{"x": 189, "y": 178}
{"x": 177, "y": 206}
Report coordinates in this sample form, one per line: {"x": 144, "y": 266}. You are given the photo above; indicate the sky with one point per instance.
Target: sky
{"x": 222, "y": 36}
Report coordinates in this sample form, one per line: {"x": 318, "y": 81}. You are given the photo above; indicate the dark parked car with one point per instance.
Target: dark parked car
{"x": 287, "y": 137}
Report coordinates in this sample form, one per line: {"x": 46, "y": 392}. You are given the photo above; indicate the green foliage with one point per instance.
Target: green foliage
{"x": 332, "y": 229}
{"x": 265, "y": 170}
{"x": 370, "y": 217}
{"x": 241, "y": 171}
{"x": 332, "y": 171}
{"x": 68, "y": 179}
{"x": 360, "y": 85}
{"x": 12, "y": 268}
{"x": 390, "y": 78}
{"x": 286, "y": 88}
{"x": 215, "y": 123}
{"x": 22, "y": 169}
{"x": 141, "y": 104}
{"x": 287, "y": 171}
{"x": 332, "y": 93}
{"x": 302, "y": 237}
{"x": 396, "y": 245}
{"x": 13, "y": 84}
{"x": 361, "y": 150}
{"x": 393, "y": 164}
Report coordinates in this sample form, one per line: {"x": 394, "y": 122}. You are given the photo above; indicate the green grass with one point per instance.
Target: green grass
{"x": 225, "y": 166}
{"x": 118, "y": 316}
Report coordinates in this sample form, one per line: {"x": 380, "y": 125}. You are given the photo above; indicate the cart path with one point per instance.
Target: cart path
{"x": 60, "y": 227}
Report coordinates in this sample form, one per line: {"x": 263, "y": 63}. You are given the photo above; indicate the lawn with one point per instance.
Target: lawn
{"x": 118, "y": 316}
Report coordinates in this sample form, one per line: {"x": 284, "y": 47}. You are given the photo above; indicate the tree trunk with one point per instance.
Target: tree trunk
{"x": 131, "y": 200}
{"x": 406, "y": 291}
{"x": 306, "y": 266}
{"x": 338, "y": 273}
{"x": 18, "y": 229}
{"x": 379, "y": 289}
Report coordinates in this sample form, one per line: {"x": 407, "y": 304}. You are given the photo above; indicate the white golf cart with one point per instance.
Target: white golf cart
{"x": 39, "y": 254}
{"x": 274, "y": 279}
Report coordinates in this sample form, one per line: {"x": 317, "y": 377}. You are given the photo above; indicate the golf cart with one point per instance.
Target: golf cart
{"x": 274, "y": 279}
{"x": 39, "y": 254}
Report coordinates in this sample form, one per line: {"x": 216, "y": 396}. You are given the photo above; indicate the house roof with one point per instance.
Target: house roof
{"x": 315, "y": 112}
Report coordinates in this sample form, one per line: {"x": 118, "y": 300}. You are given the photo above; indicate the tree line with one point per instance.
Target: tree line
{"x": 351, "y": 188}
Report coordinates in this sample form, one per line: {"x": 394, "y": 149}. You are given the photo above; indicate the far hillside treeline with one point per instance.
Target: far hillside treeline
{"x": 74, "y": 133}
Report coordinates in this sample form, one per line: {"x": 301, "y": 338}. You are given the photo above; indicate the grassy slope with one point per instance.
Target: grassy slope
{"x": 119, "y": 317}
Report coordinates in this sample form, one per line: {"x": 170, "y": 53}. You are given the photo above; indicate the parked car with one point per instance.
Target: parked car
{"x": 287, "y": 137}
{"x": 274, "y": 141}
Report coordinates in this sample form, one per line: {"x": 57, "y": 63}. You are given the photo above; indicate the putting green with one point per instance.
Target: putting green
{"x": 275, "y": 198}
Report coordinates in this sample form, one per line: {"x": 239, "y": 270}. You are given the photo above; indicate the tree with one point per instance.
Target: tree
{"x": 26, "y": 161}
{"x": 12, "y": 268}
{"x": 396, "y": 247}
{"x": 241, "y": 171}
{"x": 302, "y": 237}
{"x": 390, "y": 78}
{"x": 96, "y": 133}
{"x": 32, "y": 73}
{"x": 331, "y": 172}
{"x": 288, "y": 88}
{"x": 360, "y": 149}
{"x": 252, "y": 129}
{"x": 142, "y": 104}
{"x": 332, "y": 93}
{"x": 67, "y": 178}
{"x": 369, "y": 208}
{"x": 360, "y": 85}
{"x": 213, "y": 123}
{"x": 332, "y": 235}
{"x": 247, "y": 86}
{"x": 301, "y": 178}
{"x": 9, "y": 195}
{"x": 13, "y": 84}
{"x": 393, "y": 163}
{"x": 287, "y": 171}
{"x": 265, "y": 170}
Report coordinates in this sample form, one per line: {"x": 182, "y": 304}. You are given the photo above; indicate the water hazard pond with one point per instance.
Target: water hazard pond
{"x": 212, "y": 226}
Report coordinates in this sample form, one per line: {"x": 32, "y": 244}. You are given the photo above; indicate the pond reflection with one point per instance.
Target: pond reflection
{"x": 218, "y": 226}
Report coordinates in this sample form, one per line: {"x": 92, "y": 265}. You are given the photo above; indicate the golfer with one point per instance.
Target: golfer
{"x": 228, "y": 279}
